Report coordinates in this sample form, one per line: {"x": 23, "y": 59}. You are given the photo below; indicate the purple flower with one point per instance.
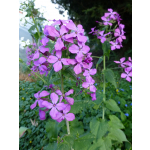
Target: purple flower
{"x": 119, "y": 35}
{"x": 65, "y": 115}
{"x": 39, "y": 98}
{"x": 68, "y": 99}
{"x": 127, "y": 75}
{"x": 106, "y": 21}
{"x": 102, "y": 37}
{"x": 78, "y": 32}
{"x": 89, "y": 84}
{"x": 44, "y": 41}
{"x": 111, "y": 14}
{"x": 39, "y": 63}
{"x": 54, "y": 106}
{"x": 115, "y": 45}
{"x": 93, "y": 95}
{"x": 121, "y": 62}
{"x": 92, "y": 30}
{"x": 79, "y": 51}
{"x": 89, "y": 71}
{"x": 57, "y": 60}
{"x": 42, "y": 114}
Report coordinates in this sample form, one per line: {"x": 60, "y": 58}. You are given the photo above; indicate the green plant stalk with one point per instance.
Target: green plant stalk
{"x": 36, "y": 26}
{"x": 62, "y": 89}
{"x": 36, "y": 74}
{"x": 104, "y": 65}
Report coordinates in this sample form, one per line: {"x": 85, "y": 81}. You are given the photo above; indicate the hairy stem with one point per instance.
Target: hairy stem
{"x": 104, "y": 65}
{"x": 62, "y": 90}
{"x": 36, "y": 26}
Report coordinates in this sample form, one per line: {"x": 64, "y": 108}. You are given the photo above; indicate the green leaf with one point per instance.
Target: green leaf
{"x": 83, "y": 142}
{"x": 112, "y": 105}
{"x": 22, "y": 131}
{"x": 123, "y": 116}
{"x": 105, "y": 144}
{"x": 51, "y": 129}
{"x": 51, "y": 146}
{"x": 99, "y": 61}
{"x": 63, "y": 146}
{"x": 115, "y": 122}
{"x": 98, "y": 128}
{"x": 102, "y": 144}
{"x": 36, "y": 36}
{"x": 76, "y": 107}
{"x": 69, "y": 139}
{"x": 20, "y": 60}
{"x": 106, "y": 48}
{"x": 40, "y": 18}
{"x": 110, "y": 77}
{"x": 117, "y": 134}
{"x": 32, "y": 28}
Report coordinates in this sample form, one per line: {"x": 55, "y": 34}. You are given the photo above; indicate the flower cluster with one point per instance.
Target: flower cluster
{"x": 109, "y": 19}
{"x": 127, "y": 68}
{"x": 69, "y": 40}
{"x": 58, "y": 109}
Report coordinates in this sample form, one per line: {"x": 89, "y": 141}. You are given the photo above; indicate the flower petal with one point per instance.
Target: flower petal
{"x": 54, "y": 98}
{"x": 61, "y": 106}
{"x": 53, "y": 113}
{"x": 85, "y": 49}
{"x": 70, "y": 117}
{"x": 47, "y": 104}
{"x": 85, "y": 84}
{"x": 69, "y": 92}
{"x": 58, "y": 92}
{"x": 123, "y": 75}
{"x": 57, "y": 66}
{"x": 67, "y": 109}
{"x": 42, "y": 114}
{"x": 93, "y": 88}
{"x": 59, "y": 44}
{"x": 74, "y": 49}
{"x": 52, "y": 59}
{"x": 34, "y": 104}
{"x": 93, "y": 71}
{"x": 69, "y": 100}
{"x": 77, "y": 69}
{"x": 43, "y": 94}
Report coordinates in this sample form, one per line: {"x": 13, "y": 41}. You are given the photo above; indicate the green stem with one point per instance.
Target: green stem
{"x": 36, "y": 74}
{"x": 62, "y": 90}
{"x": 104, "y": 65}
{"x": 96, "y": 56}
{"x": 36, "y": 26}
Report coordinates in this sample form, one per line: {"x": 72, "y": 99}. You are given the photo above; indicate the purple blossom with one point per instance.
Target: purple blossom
{"x": 79, "y": 51}
{"x": 93, "y": 95}
{"x": 92, "y": 30}
{"x": 121, "y": 62}
{"x": 102, "y": 37}
{"x": 89, "y": 71}
{"x": 78, "y": 32}
{"x": 39, "y": 98}
{"x": 65, "y": 96}
{"x": 57, "y": 60}
{"x": 89, "y": 84}
{"x": 65, "y": 115}
{"x": 115, "y": 45}
{"x": 111, "y": 14}
{"x": 106, "y": 21}
{"x": 127, "y": 75}
{"x": 54, "y": 106}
